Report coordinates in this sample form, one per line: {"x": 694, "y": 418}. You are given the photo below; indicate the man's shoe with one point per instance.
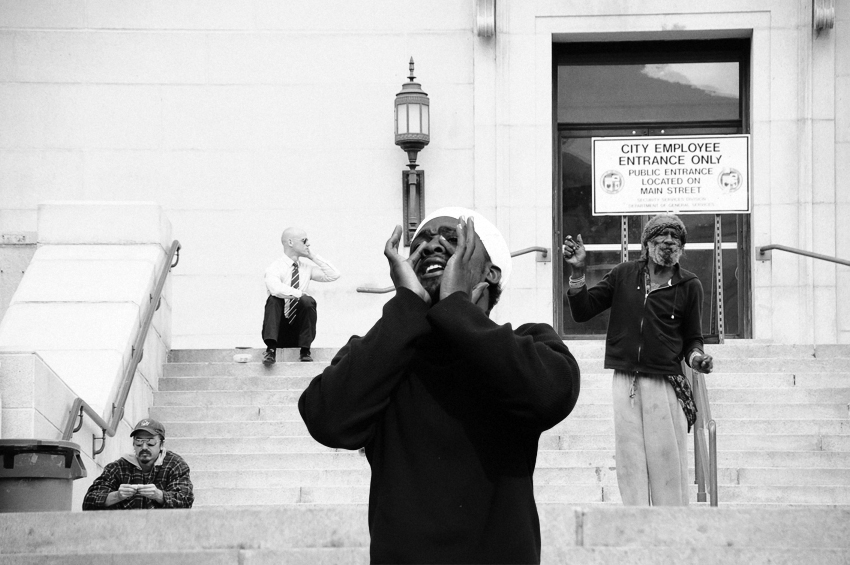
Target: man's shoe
{"x": 305, "y": 357}
{"x": 269, "y": 357}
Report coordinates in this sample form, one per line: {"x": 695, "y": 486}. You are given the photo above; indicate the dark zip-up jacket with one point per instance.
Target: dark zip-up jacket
{"x": 449, "y": 406}
{"x": 647, "y": 334}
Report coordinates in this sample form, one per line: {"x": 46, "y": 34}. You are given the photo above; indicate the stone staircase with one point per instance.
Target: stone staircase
{"x": 781, "y": 413}
{"x": 266, "y": 493}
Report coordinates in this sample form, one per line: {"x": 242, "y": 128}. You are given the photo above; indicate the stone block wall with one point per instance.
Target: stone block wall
{"x": 70, "y": 327}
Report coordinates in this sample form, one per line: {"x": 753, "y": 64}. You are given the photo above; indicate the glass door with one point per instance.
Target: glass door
{"x": 642, "y": 89}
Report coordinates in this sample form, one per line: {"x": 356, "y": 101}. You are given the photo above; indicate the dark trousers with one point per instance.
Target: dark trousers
{"x": 279, "y": 332}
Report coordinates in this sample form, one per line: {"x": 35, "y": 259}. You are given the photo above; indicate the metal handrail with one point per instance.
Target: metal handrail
{"x": 762, "y": 255}
{"x": 705, "y": 456}
{"x": 81, "y": 407}
{"x": 544, "y": 252}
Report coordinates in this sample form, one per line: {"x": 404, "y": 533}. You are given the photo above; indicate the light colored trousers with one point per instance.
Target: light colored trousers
{"x": 651, "y": 442}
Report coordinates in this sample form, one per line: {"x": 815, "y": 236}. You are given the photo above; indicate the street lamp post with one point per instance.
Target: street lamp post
{"x": 412, "y": 134}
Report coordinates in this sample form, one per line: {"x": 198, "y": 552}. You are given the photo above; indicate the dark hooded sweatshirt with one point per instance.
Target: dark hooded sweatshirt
{"x": 647, "y": 334}
{"x": 449, "y": 406}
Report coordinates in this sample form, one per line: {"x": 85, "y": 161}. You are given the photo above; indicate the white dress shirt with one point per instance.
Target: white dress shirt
{"x": 278, "y": 276}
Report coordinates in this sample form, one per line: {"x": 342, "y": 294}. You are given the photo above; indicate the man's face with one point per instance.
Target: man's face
{"x": 440, "y": 237}
{"x": 665, "y": 248}
{"x": 146, "y": 446}
{"x": 300, "y": 244}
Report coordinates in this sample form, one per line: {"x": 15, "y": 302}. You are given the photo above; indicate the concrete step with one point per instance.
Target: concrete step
{"x": 283, "y": 478}
{"x": 588, "y": 365}
{"x": 274, "y": 496}
{"x": 701, "y": 555}
{"x": 790, "y": 459}
{"x": 279, "y": 478}
{"x": 785, "y": 494}
{"x": 259, "y": 406}
{"x": 545, "y": 459}
{"x": 795, "y": 395}
{"x": 548, "y": 441}
{"x": 778, "y": 380}
{"x": 588, "y": 348}
{"x": 295, "y": 556}
{"x": 260, "y": 380}
{"x": 253, "y": 383}
{"x": 773, "y": 477}
{"x": 748, "y": 348}
{"x": 753, "y": 396}
{"x": 725, "y": 442}
{"x": 570, "y": 533}
{"x": 360, "y": 556}
{"x": 752, "y": 365}
{"x": 259, "y": 428}
{"x": 279, "y": 369}
{"x": 204, "y": 391}
{"x": 255, "y": 461}
{"x": 784, "y": 476}
{"x": 575, "y": 493}
{"x": 255, "y": 355}
{"x": 350, "y": 494}
{"x": 186, "y": 446}
{"x": 590, "y": 369}
{"x": 171, "y": 415}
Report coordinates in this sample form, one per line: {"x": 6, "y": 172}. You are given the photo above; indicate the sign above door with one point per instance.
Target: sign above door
{"x": 691, "y": 174}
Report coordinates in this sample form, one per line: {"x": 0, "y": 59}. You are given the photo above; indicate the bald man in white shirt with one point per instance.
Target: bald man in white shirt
{"x": 290, "y": 313}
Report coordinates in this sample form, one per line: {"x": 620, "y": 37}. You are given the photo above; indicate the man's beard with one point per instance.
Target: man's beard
{"x": 663, "y": 255}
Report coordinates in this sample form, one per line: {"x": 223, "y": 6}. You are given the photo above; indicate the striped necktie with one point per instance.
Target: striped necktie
{"x": 289, "y": 311}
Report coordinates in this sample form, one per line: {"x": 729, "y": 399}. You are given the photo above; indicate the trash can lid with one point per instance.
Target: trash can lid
{"x": 23, "y": 444}
{"x": 22, "y": 458}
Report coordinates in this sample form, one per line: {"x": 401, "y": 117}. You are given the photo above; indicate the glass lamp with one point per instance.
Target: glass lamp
{"x": 412, "y": 134}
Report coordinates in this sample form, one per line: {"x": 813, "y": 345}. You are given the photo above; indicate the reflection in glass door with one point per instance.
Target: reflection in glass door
{"x": 669, "y": 88}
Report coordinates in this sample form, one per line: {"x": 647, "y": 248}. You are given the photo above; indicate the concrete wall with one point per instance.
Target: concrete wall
{"x": 71, "y": 324}
{"x": 36, "y": 402}
{"x": 241, "y": 118}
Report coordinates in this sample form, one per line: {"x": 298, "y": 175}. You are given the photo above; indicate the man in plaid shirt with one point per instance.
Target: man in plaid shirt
{"x": 150, "y": 477}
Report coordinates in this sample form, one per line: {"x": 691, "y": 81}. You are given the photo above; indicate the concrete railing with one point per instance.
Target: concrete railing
{"x": 80, "y": 406}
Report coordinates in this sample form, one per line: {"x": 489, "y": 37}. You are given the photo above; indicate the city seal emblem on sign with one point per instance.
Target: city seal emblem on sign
{"x": 612, "y": 182}
{"x": 729, "y": 180}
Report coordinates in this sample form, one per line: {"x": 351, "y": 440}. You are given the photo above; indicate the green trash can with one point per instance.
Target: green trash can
{"x": 37, "y": 475}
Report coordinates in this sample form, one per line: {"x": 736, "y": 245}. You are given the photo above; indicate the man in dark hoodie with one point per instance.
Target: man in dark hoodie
{"x": 150, "y": 477}
{"x": 655, "y": 324}
{"x": 448, "y": 404}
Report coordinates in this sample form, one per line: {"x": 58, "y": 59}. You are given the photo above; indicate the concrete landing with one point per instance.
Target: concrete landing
{"x": 339, "y": 534}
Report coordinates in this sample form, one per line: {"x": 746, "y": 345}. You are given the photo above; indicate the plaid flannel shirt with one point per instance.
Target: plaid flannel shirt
{"x": 170, "y": 475}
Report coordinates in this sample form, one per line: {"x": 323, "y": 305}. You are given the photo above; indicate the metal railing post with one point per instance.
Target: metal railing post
{"x": 718, "y": 279}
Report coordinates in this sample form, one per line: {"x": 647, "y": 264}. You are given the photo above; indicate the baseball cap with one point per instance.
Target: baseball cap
{"x": 149, "y": 425}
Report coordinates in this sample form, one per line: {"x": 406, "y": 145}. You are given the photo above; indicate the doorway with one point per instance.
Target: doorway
{"x": 621, "y": 89}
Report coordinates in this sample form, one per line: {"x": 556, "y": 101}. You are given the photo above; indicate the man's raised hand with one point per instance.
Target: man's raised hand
{"x": 402, "y": 272}
{"x": 574, "y": 252}
{"x": 464, "y": 272}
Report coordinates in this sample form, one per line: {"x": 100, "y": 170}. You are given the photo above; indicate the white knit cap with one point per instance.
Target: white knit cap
{"x": 493, "y": 241}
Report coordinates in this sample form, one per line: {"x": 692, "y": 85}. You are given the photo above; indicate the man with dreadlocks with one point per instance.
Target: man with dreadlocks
{"x": 655, "y": 323}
